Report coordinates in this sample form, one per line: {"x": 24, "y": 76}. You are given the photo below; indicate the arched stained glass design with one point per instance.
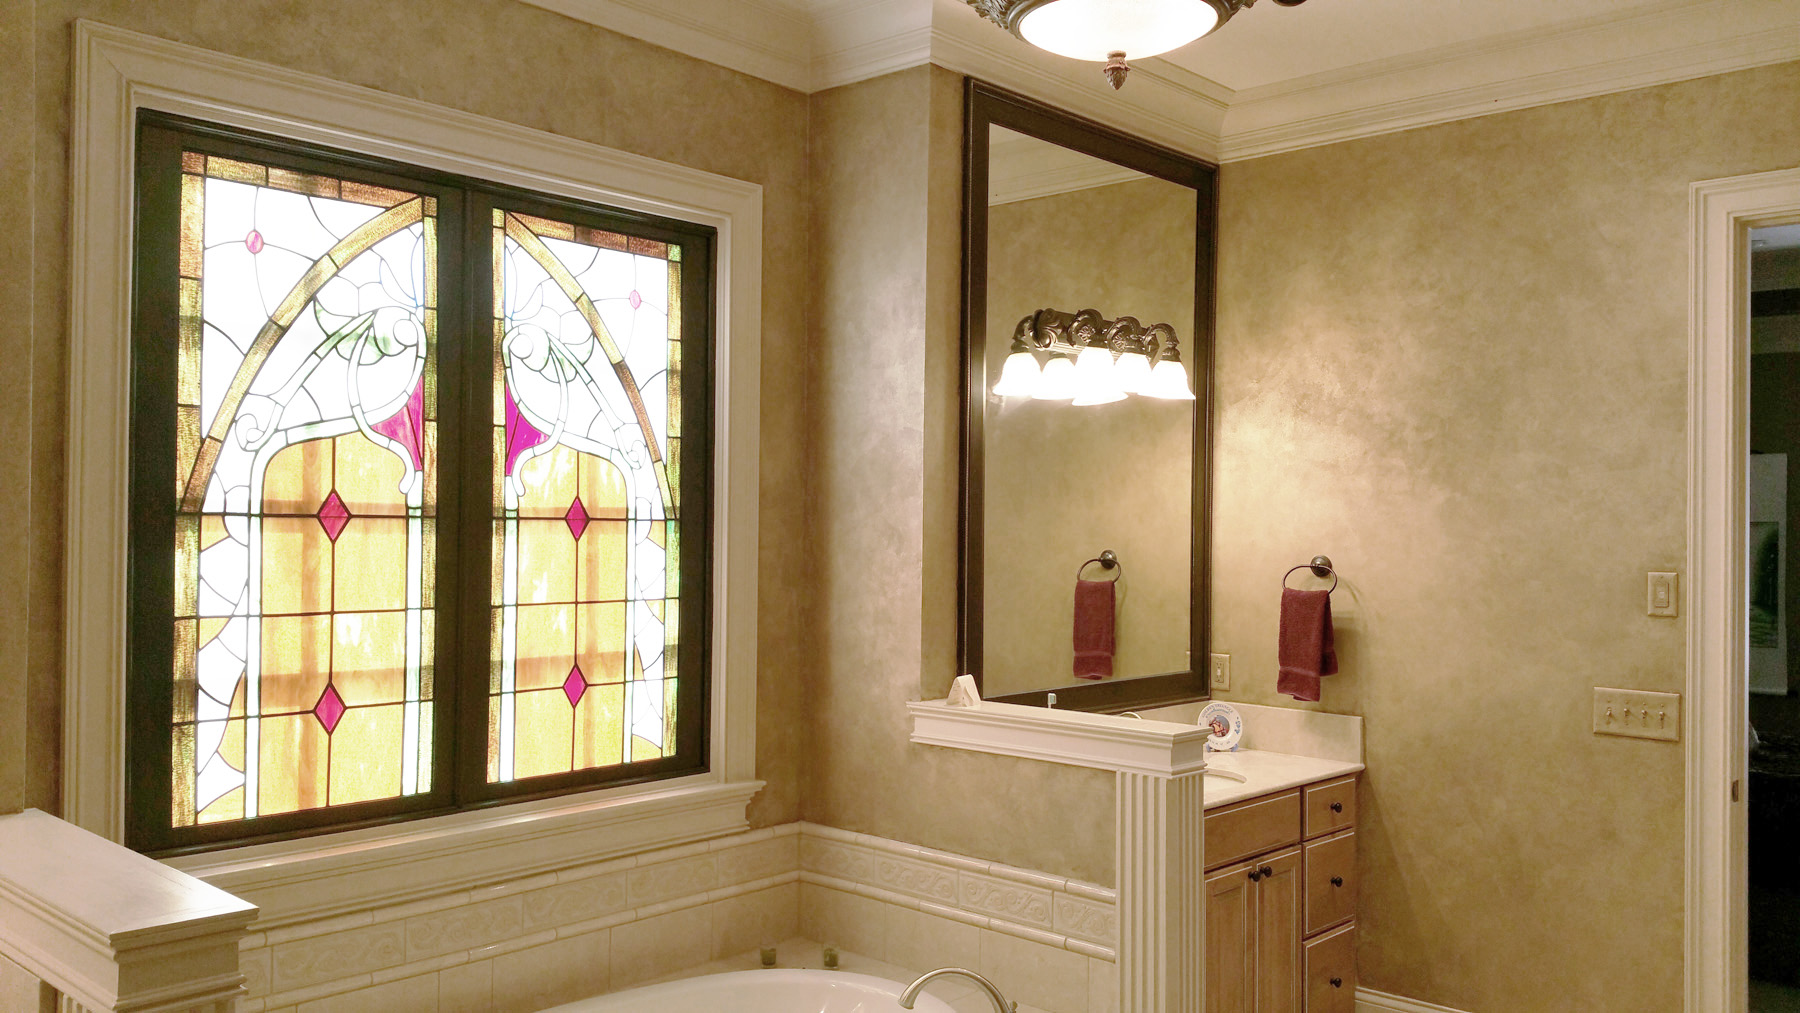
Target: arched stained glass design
{"x": 586, "y": 543}
{"x": 305, "y": 492}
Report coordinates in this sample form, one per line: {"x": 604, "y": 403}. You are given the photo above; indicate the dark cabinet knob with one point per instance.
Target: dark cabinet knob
{"x": 1337, "y": 807}
{"x": 1337, "y": 881}
{"x": 1255, "y": 874}
{"x": 1337, "y": 983}
{"x": 1266, "y": 872}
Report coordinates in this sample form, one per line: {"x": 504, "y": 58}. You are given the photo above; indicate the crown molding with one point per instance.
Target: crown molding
{"x": 1673, "y": 42}
{"x": 768, "y": 40}
{"x": 1022, "y": 168}
{"x": 812, "y": 45}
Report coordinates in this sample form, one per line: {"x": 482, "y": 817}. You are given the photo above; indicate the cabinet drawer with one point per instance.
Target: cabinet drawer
{"x": 1250, "y": 828}
{"x": 1330, "y": 807}
{"x": 1330, "y": 881}
{"x": 1331, "y": 972}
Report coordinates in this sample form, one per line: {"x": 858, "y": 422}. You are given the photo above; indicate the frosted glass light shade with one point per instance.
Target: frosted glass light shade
{"x": 1058, "y": 380}
{"x": 1094, "y": 380}
{"x": 1092, "y": 29}
{"x": 1169, "y": 381}
{"x": 1019, "y": 377}
{"x": 1132, "y": 372}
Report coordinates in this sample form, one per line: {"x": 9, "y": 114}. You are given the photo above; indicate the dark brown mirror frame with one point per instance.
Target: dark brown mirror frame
{"x": 986, "y": 106}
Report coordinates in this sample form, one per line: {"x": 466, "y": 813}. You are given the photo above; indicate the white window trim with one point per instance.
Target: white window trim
{"x": 117, "y": 73}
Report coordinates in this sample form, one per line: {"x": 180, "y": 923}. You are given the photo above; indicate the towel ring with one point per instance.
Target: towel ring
{"x": 1321, "y": 568}
{"x": 1108, "y": 560}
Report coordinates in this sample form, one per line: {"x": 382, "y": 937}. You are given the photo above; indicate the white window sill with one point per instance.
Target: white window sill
{"x": 355, "y": 870}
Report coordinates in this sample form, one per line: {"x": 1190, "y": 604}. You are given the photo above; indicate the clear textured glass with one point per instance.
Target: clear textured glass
{"x": 1019, "y": 376}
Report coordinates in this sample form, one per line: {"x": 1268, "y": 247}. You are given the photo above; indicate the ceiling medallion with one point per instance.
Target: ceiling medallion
{"x": 1110, "y": 31}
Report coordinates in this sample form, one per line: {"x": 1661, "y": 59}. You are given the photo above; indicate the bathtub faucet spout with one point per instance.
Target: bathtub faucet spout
{"x": 911, "y": 995}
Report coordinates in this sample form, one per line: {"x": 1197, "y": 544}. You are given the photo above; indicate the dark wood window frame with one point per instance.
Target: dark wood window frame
{"x": 983, "y": 106}
{"x": 465, "y": 465}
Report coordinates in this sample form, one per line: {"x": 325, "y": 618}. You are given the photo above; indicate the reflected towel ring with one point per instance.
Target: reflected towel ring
{"x": 1321, "y": 568}
{"x": 1108, "y": 560}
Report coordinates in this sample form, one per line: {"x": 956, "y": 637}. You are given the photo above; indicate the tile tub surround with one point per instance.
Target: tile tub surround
{"x": 537, "y": 941}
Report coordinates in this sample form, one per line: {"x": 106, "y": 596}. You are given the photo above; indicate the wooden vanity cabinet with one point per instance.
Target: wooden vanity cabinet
{"x": 1281, "y": 902}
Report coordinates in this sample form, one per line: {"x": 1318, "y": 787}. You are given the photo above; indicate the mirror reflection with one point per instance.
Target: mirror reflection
{"x": 1088, "y": 485}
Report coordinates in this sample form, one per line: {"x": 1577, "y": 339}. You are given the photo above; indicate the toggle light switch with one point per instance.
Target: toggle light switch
{"x": 1660, "y": 598}
{"x": 1638, "y": 713}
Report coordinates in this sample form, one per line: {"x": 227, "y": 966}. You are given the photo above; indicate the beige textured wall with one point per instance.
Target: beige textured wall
{"x": 21, "y": 736}
{"x": 497, "y": 58}
{"x": 886, "y": 157}
{"x": 1454, "y": 359}
{"x": 1064, "y": 483}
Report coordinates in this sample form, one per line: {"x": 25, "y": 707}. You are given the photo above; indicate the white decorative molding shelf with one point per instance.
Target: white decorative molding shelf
{"x": 1075, "y": 738}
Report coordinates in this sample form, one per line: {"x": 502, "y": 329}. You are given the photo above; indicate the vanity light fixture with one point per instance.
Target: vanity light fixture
{"x": 1109, "y": 31}
{"x": 1092, "y": 360}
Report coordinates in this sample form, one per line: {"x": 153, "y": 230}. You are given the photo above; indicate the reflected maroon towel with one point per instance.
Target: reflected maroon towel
{"x": 1307, "y": 651}
{"x": 1093, "y": 629}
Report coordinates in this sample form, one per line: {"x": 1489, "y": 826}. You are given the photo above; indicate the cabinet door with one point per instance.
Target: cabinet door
{"x": 1331, "y": 972}
{"x": 1278, "y": 933}
{"x": 1230, "y": 942}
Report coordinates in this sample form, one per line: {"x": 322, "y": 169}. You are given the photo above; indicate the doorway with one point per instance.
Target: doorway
{"x": 1773, "y": 571}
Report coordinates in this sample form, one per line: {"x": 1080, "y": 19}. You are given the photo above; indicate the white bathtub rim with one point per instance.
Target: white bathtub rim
{"x": 731, "y": 983}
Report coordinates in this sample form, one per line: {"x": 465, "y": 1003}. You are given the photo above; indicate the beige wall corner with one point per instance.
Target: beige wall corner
{"x": 1454, "y": 360}
{"x": 887, "y": 164}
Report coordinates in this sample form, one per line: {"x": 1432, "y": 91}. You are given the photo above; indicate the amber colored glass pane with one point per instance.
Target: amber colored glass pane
{"x": 643, "y": 749}
{"x": 369, "y": 657}
{"x": 546, "y": 561}
{"x": 186, "y": 678}
{"x": 302, "y": 581}
{"x": 669, "y": 687}
{"x": 545, "y": 722}
{"x": 290, "y": 777}
{"x": 365, "y": 754}
{"x": 603, "y": 561}
{"x": 546, "y": 637}
{"x": 549, "y": 484}
{"x": 602, "y": 489}
{"x": 181, "y": 759}
{"x": 371, "y": 564}
{"x": 229, "y": 806}
{"x": 601, "y": 641}
{"x": 600, "y": 727}
{"x": 298, "y": 478}
{"x": 368, "y": 478}
{"x": 296, "y": 657}
{"x": 493, "y": 743}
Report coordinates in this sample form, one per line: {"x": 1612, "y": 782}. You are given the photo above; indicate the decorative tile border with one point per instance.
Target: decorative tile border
{"x": 1067, "y": 913}
{"x": 302, "y": 962}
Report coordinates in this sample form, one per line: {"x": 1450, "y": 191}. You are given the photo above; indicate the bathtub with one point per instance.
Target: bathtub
{"x": 770, "y": 991}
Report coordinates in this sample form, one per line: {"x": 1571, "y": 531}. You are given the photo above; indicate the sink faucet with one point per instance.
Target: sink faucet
{"x": 908, "y": 997}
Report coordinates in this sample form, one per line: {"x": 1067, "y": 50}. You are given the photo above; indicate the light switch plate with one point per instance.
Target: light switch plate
{"x": 1662, "y": 595}
{"x": 1638, "y": 713}
{"x": 1221, "y": 672}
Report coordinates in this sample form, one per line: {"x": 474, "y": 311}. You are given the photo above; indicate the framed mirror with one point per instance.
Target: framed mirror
{"x": 1087, "y": 349}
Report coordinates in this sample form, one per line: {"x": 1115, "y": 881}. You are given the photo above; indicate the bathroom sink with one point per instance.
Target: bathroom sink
{"x": 1228, "y": 775}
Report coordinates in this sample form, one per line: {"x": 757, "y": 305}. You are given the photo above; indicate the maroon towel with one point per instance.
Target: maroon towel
{"x": 1306, "y": 650}
{"x": 1093, "y": 629}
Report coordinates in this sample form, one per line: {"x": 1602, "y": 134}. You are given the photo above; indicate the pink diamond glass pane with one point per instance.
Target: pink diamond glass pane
{"x": 575, "y": 685}
{"x": 577, "y": 518}
{"x": 333, "y": 515}
{"x": 330, "y": 709}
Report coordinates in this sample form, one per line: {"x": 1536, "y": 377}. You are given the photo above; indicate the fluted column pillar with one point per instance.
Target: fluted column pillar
{"x": 1162, "y": 892}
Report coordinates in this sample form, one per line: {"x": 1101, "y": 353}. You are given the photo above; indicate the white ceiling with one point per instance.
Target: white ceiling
{"x": 1272, "y": 79}
{"x": 1269, "y": 44}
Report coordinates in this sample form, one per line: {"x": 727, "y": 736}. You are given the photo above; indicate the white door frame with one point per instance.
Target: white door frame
{"x": 1724, "y": 211}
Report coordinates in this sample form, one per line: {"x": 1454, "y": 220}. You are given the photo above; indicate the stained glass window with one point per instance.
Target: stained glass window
{"x": 586, "y": 408}
{"x": 409, "y": 454}
{"x": 304, "y": 484}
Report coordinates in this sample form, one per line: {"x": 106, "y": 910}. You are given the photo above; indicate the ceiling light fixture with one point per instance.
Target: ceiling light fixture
{"x": 1111, "y": 31}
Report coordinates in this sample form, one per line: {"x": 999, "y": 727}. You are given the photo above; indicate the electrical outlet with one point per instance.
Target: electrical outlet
{"x": 1221, "y": 671}
{"x": 1638, "y": 713}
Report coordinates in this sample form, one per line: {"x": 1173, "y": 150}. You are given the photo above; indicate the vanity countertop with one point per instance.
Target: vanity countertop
{"x": 1266, "y": 772}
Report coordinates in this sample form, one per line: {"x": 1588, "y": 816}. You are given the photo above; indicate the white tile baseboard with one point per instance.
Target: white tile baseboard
{"x": 1370, "y": 1001}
